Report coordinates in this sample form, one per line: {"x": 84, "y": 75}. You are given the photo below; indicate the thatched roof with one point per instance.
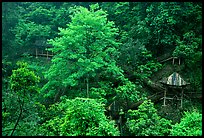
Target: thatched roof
{"x": 174, "y": 79}
{"x": 41, "y": 44}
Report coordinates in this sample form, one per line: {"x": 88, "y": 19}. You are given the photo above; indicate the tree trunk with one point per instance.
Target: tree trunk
{"x": 59, "y": 94}
{"x": 21, "y": 111}
{"x": 87, "y": 87}
{"x": 153, "y": 98}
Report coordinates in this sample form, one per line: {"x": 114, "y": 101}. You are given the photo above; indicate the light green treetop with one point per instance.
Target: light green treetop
{"x": 87, "y": 45}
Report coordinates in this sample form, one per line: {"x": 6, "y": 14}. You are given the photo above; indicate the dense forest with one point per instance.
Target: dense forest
{"x": 98, "y": 68}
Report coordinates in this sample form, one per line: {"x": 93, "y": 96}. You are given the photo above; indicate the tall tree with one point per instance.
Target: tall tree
{"x": 84, "y": 50}
{"x": 10, "y": 15}
{"x": 24, "y": 84}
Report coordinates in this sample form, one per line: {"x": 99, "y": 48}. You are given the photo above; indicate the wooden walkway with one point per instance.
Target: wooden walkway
{"x": 167, "y": 57}
{"x": 159, "y": 95}
{"x": 42, "y": 53}
{"x": 114, "y": 107}
{"x": 193, "y": 95}
{"x": 163, "y": 57}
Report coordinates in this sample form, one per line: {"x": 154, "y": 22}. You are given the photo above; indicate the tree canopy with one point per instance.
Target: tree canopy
{"x": 95, "y": 68}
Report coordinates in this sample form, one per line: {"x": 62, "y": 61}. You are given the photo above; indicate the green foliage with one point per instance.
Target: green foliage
{"x": 40, "y": 14}
{"x": 190, "y": 125}
{"x": 6, "y": 67}
{"x": 83, "y": 49}
{"x": 188, "y": 46}
{"x": 129, "y": 93}
{"x": 137, "y": 60}
{"x": 104, "y": 50}
{"x": 22, "y": 92}
{"x": 80, "y": 117}
{"x": 27, "y": 32}
{"x": 189, "y": 49}
{"x": 9, "y": 108}
{"x": 146, "y": 65}
{"x": 98, "y": 93}
{"x": 103, "y": 92}
{"x": 9, "y": 20}
{"x": 146, "y": 122}
{"x": 23, "y": 81}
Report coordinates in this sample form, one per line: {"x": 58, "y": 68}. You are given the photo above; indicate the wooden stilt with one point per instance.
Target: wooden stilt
{"x": 47, "y": 54}
{"x": 182, "y": 98}
{"x": 120, "y": 124}
{"x": 87, "y": 87}
{"x": 173, "y": 60}
{"x": 36, "y": 52}
{"x": 114, "y": 105}
{"x": 165, "y": 97}
{"x": 179, "y": 61}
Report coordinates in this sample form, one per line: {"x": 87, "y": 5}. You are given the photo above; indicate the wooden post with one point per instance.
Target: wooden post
{"x": 47, "y": 54}
{"x": 87, "y": 87}
{"x": 120, "y": 124}
{"x": 182, "y": 98}
{"x": 114, "y": 105}
{"x": 179, "y": 61}
{"x": 36, "y": 52}
{"x": 165, "y": 96}
{"x": 173, "y": 60}
{"x": 120, "y": 121}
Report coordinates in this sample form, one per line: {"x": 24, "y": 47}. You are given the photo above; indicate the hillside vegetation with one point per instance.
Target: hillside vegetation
{"x": 94, "y": 69}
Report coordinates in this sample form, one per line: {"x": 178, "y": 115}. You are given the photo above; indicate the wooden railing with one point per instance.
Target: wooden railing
{"x": 47, "y": 54}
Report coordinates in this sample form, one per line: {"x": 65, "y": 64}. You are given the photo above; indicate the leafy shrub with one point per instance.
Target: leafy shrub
{"x": 190, "y": 125}
{"x": 23, "y": 80}
{"x": 80, "y": 117}
{"x": 146, "y": 122}
{"x": 129, "y": 92}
